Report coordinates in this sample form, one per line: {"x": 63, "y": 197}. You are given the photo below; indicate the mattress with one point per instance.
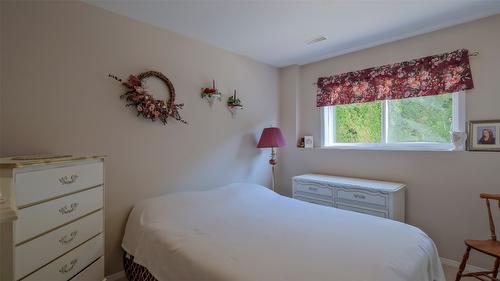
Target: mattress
{"x": 245, "y": 232}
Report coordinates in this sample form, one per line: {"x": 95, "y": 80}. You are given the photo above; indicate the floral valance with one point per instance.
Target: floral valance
{"x": 428, "y": 76}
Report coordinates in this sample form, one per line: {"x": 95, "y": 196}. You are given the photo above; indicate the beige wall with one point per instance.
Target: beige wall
{"x": 57, "y": 98}
{"x": 1, "y": 66}
{"x": 443, "y": 187}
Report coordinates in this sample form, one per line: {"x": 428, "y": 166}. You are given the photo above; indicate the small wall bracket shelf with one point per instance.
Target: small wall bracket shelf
{"x": 234, "y": 104}
{"x": 211, "y": 94}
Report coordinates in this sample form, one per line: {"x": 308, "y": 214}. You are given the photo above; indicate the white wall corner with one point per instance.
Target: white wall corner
{"x": 289, "y": 91}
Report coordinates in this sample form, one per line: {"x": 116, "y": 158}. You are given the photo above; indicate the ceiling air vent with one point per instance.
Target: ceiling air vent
{"x": 316, "y": 40}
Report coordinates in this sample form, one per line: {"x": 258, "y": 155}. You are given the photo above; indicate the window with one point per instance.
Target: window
{"x": 423, "y": 123}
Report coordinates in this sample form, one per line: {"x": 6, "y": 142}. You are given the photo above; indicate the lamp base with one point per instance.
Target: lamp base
{"x": 274, "y": 175}
{"x": 273, "y": 163}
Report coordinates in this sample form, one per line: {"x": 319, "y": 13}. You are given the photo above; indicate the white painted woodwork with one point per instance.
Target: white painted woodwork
{"x": 376, "y": 198}
{"x": 35, "y": 186}
{"x": 71, "y": 263}
{"x": 43, "y": 217}
{"x": 51, "y": 219}
{"x": 377, "y": 213}
{"x": 316, "y": 189}
{"x": 314, "y": 201}
{"x": 95, "y": 271}
{"x": 35, "y": 253}
{"x": 357, "y": 196}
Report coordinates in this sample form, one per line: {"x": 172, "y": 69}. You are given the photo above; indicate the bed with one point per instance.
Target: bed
{"x": 245, "y": 232}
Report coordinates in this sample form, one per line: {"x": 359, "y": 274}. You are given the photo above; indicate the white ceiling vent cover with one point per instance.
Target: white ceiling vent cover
{"x": 317, "y": 40}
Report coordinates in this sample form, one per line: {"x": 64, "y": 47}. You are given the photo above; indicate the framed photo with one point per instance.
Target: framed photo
{"x": 308, "y": 142}
{"x": 484, "y": 135}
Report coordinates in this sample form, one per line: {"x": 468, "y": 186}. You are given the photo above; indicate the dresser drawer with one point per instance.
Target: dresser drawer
{"x": 94, "y": 272}
{"x": 36, "y": 186}
{"x": 313, "y": 189}
{"x": 43, "y": 217}
{"x": 363, "y": 197}
{"x": 35, "y": 253}
{"x": 314, "y": 201}
{"x": 71, "y": 263}
{"x": 377, "y": 213}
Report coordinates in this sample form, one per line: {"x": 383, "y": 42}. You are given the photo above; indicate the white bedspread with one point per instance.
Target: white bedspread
{"x": 245, "y": 232}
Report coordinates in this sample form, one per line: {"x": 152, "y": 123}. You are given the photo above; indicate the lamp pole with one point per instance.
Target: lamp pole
{"x": 273, "y": 163}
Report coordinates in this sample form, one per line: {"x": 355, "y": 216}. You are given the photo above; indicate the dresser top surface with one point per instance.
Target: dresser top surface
{"x": 365, "y": 183}
{"x": 34, "y": 160}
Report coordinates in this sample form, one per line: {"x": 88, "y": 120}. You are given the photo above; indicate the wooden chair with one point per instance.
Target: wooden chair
{"x": 490, "y": 247}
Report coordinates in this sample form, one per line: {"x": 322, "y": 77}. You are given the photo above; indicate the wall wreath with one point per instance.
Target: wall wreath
{"x": 145, "y": 104}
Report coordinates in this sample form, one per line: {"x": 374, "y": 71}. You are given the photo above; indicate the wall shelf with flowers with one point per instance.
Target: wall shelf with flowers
{"x": 211, "y": 94}
{"x": 234, "y": 104}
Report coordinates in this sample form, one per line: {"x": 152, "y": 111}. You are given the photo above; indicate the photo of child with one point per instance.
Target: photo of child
{"x": 486, "y": 134}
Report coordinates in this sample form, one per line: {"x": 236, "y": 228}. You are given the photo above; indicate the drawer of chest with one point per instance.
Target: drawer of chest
{"x": 363, "y": 197}
{"x": 44, "y": 217}
{"x": 40, "y": 185}
{"x": 313, "y": 189}
{"x": 94, "y": 272}
{"x": 314, "y": 201}
{"x": 377, "y": 213}
{"x": 71, "y": 263}
{"x": 37, "y": 252}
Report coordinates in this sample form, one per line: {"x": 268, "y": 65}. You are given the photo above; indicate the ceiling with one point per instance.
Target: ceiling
{"x": 276, "y": 32}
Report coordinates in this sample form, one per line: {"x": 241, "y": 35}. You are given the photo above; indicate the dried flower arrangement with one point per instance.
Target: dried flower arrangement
{"x": 211, "y": 94}
{"x": 145, "y": 104}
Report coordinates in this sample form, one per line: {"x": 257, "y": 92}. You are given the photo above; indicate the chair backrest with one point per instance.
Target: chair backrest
{"x": 489, "y": 197}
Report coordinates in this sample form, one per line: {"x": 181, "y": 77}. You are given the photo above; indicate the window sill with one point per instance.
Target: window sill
{"x": 395, "y": 147}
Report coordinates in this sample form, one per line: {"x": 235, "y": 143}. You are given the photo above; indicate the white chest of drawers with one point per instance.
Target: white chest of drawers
{"x": 377, "y": 198}
{"x": 51, "y": 219}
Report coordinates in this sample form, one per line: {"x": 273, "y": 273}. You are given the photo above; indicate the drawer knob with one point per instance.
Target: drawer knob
{"x": 68, "y": 180}
{"x": 313, "y": 188}
{"x": 359, "y": 196}
{"x": 66, "y": 210}
{"x": 65, "y": 239}
{"x": 68, "y": 267}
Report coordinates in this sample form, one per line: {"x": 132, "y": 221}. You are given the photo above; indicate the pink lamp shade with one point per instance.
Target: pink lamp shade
{"x": 271, "y": 137}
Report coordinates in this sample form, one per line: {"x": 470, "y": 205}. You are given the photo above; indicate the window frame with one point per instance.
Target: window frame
{"x": 328, "y": 128}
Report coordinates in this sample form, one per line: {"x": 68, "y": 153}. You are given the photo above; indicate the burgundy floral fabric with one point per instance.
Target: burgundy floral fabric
{"x": 428, "y": 76}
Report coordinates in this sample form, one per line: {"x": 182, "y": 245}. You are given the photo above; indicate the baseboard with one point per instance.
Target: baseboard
{"x": 456, "y": 264}
{"x": 118, "y": 276}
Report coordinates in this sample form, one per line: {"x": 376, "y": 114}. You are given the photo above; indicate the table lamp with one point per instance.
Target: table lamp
{"x": 272, "y": 138}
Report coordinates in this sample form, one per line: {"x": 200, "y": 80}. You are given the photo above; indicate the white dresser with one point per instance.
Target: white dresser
{"x": 377, "y": 198}
{"x": 51, "y": 219}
